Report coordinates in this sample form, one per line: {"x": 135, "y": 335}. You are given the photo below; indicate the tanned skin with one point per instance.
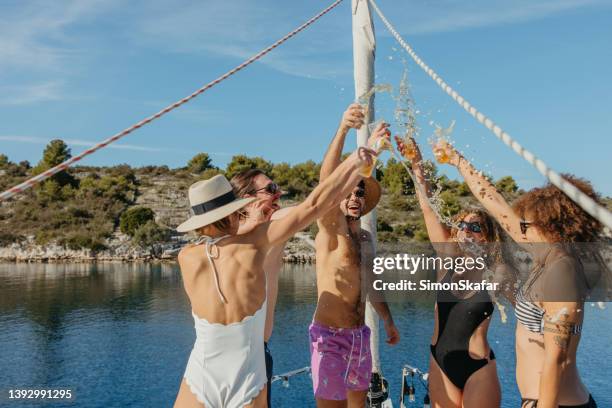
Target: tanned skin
{"x": 263, "y": 210}
{"x": 546, "y": 367}
{"x": 341, "y": 247}
{"x": 240, "y": 259}
{"x": 482, "y": 389}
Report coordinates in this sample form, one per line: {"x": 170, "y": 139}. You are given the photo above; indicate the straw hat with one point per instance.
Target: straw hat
{"x": 211, "y": 200}
{"x": 372, "y": 194}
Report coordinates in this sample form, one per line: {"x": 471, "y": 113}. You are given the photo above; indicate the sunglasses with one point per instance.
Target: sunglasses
{"x": 270, "y": 188}
{"x": 359, "y": 193}
{"x": 471, "y": 226}
{"x": 524, "y": 225}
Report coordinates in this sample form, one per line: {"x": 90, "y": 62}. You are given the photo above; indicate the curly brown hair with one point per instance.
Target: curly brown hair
{"x": 556, "y": 216}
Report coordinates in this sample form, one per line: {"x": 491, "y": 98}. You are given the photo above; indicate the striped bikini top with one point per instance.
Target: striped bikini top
{"x": 531, "y": 315}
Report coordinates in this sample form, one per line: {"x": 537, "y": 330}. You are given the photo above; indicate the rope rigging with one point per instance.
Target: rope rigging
{"x": 584, "y": 201}
{"x": 63, "y": 166}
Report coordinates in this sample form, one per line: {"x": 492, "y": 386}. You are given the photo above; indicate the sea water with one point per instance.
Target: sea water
{"x": 120, "y": 335}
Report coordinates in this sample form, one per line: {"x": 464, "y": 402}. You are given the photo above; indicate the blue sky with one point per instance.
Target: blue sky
{"x": 82, "y": 70}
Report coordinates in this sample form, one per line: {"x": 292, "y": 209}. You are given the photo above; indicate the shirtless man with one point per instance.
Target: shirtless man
{"x": 339, "y": 339}
{"x": 225, "y": 281}
{"x": 255, "y": 183}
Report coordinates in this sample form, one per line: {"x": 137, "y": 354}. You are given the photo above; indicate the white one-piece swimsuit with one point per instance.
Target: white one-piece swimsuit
{"x": 226, "y": 368}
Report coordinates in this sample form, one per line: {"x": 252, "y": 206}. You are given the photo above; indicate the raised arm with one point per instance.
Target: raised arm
{"x": 326, "y": 195}
{"x": 485, "y": 192}
{"x": 330, "y": 221}
{"x": 352, "y": 118}
{"x": 437, "y": 231}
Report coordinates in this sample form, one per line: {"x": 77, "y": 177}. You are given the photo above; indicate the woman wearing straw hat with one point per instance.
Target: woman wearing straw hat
{"x": 226, "y": 284}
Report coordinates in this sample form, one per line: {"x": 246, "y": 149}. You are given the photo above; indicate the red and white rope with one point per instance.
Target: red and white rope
{"x": 63, "y": 166}
{"x": 584, "y": 201}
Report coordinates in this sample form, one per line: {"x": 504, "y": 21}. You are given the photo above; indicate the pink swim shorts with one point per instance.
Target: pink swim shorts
{"x": 340, "y": 360}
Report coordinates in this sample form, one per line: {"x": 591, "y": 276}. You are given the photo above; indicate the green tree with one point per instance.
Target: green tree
{"x": 48, "y": 191}
{"x": 281, "y": 174}
{"x": 4, "y": 161}
{"x": 396, "y": 179}
{"x": 398, "y": 202}
{"x": 134, "y": 218}
{"x": 447, "y": 184}
{"x": 506, "y": 184}
{"x": 56, "y": 152}
{"x": 241, "y": 162}
{"x": 301, "y": 178}
{"x": 199, "y": 163}
{"x": 150, "y": 233}
{"x": 296, "y": 180}
{"x": 209, "y": 173}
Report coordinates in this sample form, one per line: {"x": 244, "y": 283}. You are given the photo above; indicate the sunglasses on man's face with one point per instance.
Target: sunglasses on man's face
{"x": 524, "y": 225}
{"x": 358, "y": 193}
{"x": 471, "y": 226}
{"x": 270, "y": 188}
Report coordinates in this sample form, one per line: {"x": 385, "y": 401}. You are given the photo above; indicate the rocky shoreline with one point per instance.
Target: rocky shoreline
{"x": 121, "y": 249}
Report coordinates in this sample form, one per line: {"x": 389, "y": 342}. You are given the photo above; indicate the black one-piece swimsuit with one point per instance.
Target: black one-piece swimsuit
{"x": 457, "y": 321}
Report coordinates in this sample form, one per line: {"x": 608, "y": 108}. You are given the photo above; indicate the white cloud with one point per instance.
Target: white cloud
{"x": 60, "y": 37}
{"x": 444, "y": 16}
{"x": 31, "y": 93}
{"x": 34, "y": 35}
{"x": 115, "y": 145}
{"x": 83, "y": 143}
{"x": 240, "y": 28}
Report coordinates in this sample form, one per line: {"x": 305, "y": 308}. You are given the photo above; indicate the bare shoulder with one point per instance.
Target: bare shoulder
{"x": 254, "y": 238}
{"x": 190, "y": 257}
{"x": 185, "y": 252}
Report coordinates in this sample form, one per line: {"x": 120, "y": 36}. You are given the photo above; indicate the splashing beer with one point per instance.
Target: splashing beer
{"x": 439, "y": 148}
{"x": 409, "y": 152}
{"x": 379, "y": 145}
{"x": 440, "y": 153}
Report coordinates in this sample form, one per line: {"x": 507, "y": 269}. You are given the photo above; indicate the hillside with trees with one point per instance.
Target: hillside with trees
{"x": 95, "y": 208}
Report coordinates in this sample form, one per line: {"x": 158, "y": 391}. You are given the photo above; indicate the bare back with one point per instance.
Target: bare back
{"x": 241, "y": 279}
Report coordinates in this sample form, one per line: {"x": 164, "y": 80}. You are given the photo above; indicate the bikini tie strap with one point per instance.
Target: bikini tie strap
{"x": 212, "y": 251}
